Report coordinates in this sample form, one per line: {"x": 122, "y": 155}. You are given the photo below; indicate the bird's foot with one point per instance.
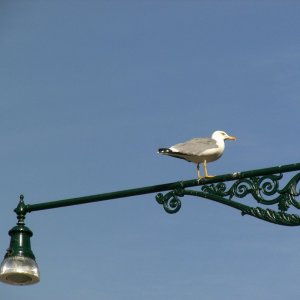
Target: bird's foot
{"x": 209, "y": 176}
{"x": 200, "y": 178}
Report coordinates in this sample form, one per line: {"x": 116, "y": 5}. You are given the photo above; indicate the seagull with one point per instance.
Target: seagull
{"x": 200, "y": 150}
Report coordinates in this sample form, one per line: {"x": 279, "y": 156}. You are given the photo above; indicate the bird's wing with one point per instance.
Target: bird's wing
{"x": 195, "y": 146}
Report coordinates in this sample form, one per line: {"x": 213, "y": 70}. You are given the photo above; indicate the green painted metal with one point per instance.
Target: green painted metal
{"x": 262, "y": 184}
{"x": 20, "y": 236}
{"x": 20, "y": 242}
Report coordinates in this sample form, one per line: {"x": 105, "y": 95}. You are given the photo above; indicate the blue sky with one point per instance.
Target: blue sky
{"x": 91, "y": 89}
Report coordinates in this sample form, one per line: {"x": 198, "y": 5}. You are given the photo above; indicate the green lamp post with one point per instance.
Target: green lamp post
{"x": 20, "y": 268}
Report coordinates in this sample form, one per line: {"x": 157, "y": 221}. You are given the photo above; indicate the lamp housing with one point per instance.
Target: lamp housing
{"x": 19, "y": 266}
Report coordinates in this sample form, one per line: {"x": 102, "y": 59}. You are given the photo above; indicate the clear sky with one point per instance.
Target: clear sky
{"x": 91, "y": 89}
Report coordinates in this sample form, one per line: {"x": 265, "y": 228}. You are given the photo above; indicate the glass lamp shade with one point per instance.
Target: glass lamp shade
{"x": 19, "y": 270}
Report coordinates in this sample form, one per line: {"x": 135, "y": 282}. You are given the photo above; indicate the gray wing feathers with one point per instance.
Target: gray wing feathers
{"x": 195, "y": 146}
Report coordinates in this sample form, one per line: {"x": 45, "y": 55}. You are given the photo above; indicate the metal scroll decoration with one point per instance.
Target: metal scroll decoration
{"x": 170, "y": 201}
{"x": 264, "y": 189}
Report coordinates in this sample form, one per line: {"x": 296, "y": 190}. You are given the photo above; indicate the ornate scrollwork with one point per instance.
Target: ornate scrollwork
{"x": 264, "y": 189}
{"x": 289, "y": 194}
{"x": 170, "y": 201}
{"x": 269, "y": 215}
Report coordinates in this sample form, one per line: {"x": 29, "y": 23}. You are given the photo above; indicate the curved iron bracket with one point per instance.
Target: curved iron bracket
{"x": 264, "y": 189}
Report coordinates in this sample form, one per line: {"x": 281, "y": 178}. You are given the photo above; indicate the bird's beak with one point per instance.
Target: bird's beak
{"x": 233, "y": 138}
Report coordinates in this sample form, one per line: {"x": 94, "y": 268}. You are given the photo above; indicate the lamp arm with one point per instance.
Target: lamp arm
{"x": 248, "y": 182}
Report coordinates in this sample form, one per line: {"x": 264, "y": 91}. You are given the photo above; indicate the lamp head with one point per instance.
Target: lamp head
{"x": 19, "y": 266}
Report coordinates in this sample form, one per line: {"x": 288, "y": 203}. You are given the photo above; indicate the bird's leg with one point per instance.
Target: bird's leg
{"x": 205, "y": 170}
{"x": 198, "y": 170}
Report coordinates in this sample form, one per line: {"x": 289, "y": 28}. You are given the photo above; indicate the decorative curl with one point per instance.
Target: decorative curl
{"x": 242, "y": 188}
{"x": 217, "y": 189}
{"x": 269, "y": 185}
{"x": 170, "y": 201}
{"x": 291, "y": 192}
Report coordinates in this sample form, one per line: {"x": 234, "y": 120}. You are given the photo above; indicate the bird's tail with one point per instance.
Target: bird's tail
{"x": 170, "y": 152}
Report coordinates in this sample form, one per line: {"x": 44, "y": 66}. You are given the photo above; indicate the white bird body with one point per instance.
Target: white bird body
{"x": 200, "y": 150}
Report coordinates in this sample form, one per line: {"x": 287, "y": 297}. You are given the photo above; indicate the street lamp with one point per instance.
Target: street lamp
{"x": 20, "y": 268}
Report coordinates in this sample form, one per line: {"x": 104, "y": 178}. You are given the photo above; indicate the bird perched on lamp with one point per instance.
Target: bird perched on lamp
{"x": 200, "y": 150}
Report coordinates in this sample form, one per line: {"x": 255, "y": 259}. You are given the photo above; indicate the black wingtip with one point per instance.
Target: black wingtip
{"x": 163, "y": 150}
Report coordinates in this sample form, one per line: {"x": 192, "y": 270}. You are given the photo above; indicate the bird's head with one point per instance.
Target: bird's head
{"x": 222, "y": 135}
